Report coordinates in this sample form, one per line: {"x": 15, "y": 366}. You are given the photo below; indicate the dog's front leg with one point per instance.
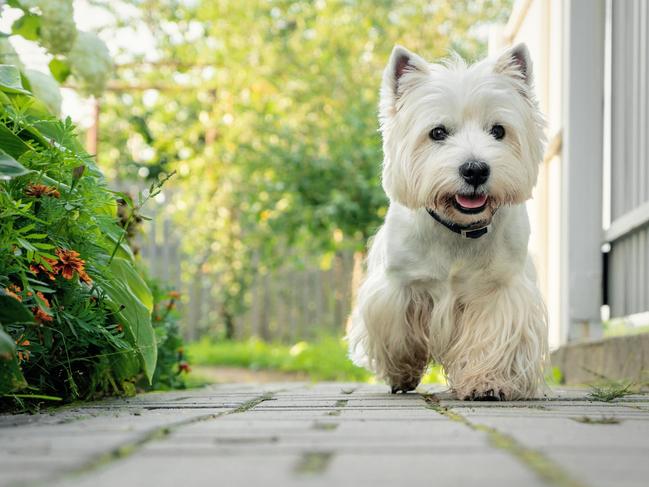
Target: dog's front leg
{"x": 500, "y": 346}
{"x": 389, "y": 332}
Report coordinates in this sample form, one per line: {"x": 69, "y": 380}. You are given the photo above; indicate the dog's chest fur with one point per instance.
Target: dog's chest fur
{"x": 418, "y": 251}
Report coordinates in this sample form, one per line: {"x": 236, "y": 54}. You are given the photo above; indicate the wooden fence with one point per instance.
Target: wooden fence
{"x": 286, "y": 304}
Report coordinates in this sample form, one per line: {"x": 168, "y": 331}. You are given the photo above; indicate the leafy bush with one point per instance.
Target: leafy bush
{"x": 75, "y": 315}
{"x": 171, "y": 355}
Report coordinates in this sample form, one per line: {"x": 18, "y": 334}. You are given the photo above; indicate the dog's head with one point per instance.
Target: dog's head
{"x": 460, "y": 140}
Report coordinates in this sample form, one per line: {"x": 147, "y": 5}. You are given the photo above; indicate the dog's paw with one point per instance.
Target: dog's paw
{"x": 405, "y": 386}
{"x": 484, "y": 392}
{"x": 488, "y": 395}
{"x": 402, "y": 389}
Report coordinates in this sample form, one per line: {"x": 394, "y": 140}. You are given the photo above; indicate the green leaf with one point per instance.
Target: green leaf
{"x": 132, "y": 302}
{"x": 125, "y": 271}
{"x": 126, "y": 365}
{"x": 27, "y": 26}
{"x": 25, "y": 229}
{"x": 10, "y": 81}
{"x": 7, "y": 346}
{"x": 10, "y": 167}
{"x": 113, "y": 232}
{"x": 11, "y": 377}
{"x": 12, "y": 310}
{"x": 25, "y": 244}
{"x": 53, "y": 130}
{"x": 44, "y": 246}
{"x": 11, "y": 143}
{"x": 60, "y": 69}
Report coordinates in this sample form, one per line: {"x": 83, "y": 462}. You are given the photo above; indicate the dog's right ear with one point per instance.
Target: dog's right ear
{"x": 401, "y": 66}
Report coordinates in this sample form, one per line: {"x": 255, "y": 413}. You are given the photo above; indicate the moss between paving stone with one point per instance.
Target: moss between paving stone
{"x": 542, "y": 466}
{"x": 131, "y": 447}
{"x": 602, "y": 420}
{"x": 325, "y": 426}
{"x": 313, "y": 462}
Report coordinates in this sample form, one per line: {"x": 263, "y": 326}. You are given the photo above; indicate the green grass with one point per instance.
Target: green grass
{"x": 618, "y": 327}
{"x": 322, "y": 359}
{"x": 610, "y": 390}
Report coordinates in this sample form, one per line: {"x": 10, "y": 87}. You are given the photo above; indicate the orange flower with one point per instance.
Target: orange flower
{"x": 13, "y": 291}
{"x": 38, "y": 190}
{"x": 69, "y": 263}
{"x": 84, "y": 277}
{"x": 38, "y": 268}
{"x": 174, "y": 294}
{"x": 184, "y": 367}
{"x": 23, "y": 355}
{"x": 40, "y": 315}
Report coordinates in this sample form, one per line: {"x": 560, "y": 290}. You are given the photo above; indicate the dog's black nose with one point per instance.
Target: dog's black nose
{"x": 475, "y": 173}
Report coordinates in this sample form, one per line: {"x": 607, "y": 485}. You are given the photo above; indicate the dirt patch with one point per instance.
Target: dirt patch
{"x": 228, "y": 375}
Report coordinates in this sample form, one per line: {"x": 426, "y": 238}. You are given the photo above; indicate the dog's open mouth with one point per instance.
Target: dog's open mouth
{"x": 470, "y": 204}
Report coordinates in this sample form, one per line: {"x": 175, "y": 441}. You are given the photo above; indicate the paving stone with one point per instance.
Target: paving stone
{"x": 326, "y": 434}
{"x": 342, "y": 437}
{"x": 603, "y": 468}
{"x": 50, "y": 449}
{"x": 550, "y": 432}
{"x": 197, "y": 471}
{"x": 457, "y": 468}
{"x": 601, "y": 454}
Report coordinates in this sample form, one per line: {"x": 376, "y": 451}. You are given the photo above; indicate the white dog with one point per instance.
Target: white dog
{"x": 449, "y": 279}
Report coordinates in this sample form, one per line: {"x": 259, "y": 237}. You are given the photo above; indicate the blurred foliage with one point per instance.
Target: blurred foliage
{"x": 267, "y": 110}
{"x": 321, "y": 359}
{"x": 324, "y": 359}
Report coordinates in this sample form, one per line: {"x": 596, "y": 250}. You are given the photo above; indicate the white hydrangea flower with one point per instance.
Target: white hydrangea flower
{"x": 8, "y": 54}
{"x": 45, "y": 88}
{"x": 58, "y": 30}
{"x": 90, "y": 62}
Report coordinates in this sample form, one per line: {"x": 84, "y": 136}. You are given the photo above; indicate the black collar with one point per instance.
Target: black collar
{"x": 460, "y": 230}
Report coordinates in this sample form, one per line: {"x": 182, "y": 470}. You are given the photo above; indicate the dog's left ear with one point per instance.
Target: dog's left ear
{"x": 397, "y": 74}
{"x": 516, "y": 62}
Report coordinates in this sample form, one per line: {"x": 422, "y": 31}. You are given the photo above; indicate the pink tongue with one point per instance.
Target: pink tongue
{"x": 471, "y": 201}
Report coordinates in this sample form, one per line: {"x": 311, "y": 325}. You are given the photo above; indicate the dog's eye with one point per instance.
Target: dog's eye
{"x": 498, "y": 132}
{"x": 438, "y": 133}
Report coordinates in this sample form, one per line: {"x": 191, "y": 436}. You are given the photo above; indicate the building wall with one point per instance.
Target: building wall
{"x": 591, "y": 61}
{"x": 628, "y": 286}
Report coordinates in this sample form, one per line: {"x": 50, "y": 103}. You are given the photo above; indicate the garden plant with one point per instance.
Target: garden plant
{"x": 78, "y": 319}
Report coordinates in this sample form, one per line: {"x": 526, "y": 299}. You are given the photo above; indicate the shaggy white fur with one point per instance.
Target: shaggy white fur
{"x": 430, "y": 294}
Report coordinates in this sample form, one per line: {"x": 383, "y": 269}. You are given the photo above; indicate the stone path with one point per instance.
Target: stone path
{"x": 329, "y": 434}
